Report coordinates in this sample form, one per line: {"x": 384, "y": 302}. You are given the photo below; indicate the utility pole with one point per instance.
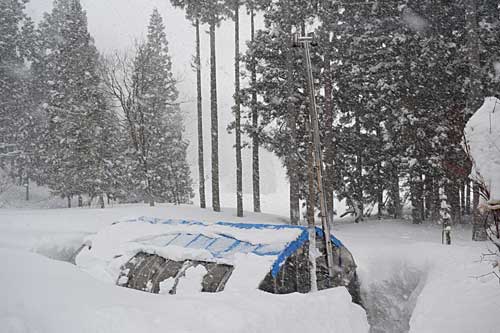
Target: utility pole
{"x": 307, "y": 42}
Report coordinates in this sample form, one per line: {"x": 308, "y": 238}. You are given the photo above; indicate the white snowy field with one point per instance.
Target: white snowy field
{"x": 410, "y": 282}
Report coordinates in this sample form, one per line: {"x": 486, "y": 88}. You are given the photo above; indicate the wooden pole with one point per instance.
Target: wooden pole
{"x": 318, "y": 158}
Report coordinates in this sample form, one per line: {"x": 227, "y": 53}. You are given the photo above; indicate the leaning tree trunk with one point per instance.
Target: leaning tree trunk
{"x": 215, "y": 122}
{"x": 237, "y": 111}
{"x": 201, "y": 165}
{"x": 255, "y": 124}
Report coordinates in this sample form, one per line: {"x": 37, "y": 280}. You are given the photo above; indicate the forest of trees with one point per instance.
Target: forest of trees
{"x": 396, "y": 82}
{"x": 86, "y": 125}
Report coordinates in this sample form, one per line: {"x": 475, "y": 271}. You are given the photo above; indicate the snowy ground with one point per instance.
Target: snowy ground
{"x": 410, "y": 282}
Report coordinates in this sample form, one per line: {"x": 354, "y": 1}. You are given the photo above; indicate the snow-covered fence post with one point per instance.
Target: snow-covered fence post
{"x": 444, "y": 212}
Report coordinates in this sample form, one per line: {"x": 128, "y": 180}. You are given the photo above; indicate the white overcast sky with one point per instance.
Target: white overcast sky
{"x": 116, "y": 24}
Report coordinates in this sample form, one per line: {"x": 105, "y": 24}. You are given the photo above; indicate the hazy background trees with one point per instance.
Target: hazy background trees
{"x": 60, "y": 110}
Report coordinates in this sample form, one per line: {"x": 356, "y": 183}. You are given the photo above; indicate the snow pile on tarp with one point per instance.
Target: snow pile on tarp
{"x": 253, "y": 249}
{"x": 47, "y": 296}
{"x": 482, "y": 135}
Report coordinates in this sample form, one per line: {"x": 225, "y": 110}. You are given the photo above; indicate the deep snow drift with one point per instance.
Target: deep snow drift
{"x": 409, "y": 281}
{"x": 42, "y": 295}
{"x": 482, "y": 135}
{"x": 412, "y": 282}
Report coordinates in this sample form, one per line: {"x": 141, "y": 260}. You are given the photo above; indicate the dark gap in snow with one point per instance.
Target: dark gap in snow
{"x": 63, "y": 250}
{"x": 390, "y": 303}
{"x": 66, "y": 254}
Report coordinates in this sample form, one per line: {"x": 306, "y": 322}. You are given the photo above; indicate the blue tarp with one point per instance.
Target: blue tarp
{"x": 225, "y": 245}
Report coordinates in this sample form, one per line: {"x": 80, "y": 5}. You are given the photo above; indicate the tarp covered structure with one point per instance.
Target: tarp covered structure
{"x": 161, "y": 255}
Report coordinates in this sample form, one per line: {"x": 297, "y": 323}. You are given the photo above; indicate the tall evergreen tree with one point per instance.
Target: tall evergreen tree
{"x": 155, "y": 123}
{"x": 252, "y": 7}
{"x": 212, "y": 13}
{"x": 17, "y": 114}
{"x": 193, "y": 12}
{"x": 235, "y": 4}
{"x": 66, "y": 69}
{"x": 280, "y": 84}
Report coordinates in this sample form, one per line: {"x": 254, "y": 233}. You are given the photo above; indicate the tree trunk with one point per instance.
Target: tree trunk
{"x": 69, "y": 201}
{"x": 380, "y": 183}
{"x": 380, "y": 201}
{"x": 101, "y": 201}
{"x": 436, "y": 200}
{"x": 396, "y": 197}
{"x": 462, "y": 198}
{"x": 428, "y": 197}
{"x": 201, "y": 165}
{"x": 416, "y": 198}
{"x": 255, "y": 125}
{"x": 27, "y": 185}
{"x": 359, "y": 174}
{"x": 474, "y": 96}
{"x": 237, "y": 111}
{"x": 478, "y": 225}
{"x": 452, "y": 189}
{"x": 215, "y": 122}
{"x": 467, "y": 197}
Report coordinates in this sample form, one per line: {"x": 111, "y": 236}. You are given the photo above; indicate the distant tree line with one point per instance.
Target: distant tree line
{"x": 87, "y": 125}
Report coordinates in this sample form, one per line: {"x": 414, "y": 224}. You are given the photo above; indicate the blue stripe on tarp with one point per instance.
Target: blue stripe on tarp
{"x": 260, "y": 226}
{"x": 186, "y": 222}
{"x": 194, "y": 240}
{"x": 178, "y": 235}
{"x": 334, "y": 240}
{"x": 288, "y": 251}
{"x": 232, "y": 246}
{"x": 211, "y": 243}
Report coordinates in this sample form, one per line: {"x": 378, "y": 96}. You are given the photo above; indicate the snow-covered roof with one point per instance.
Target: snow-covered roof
{"x": 483, "y": 141}
{"x": 255, "y": 248}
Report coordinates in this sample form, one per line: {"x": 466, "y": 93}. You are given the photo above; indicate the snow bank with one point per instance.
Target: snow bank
{"x": 46, "y": 296}
{"x": 411, "y": 282}
{"x": 58, "y": 233}
{"x": 483, "y": 139}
